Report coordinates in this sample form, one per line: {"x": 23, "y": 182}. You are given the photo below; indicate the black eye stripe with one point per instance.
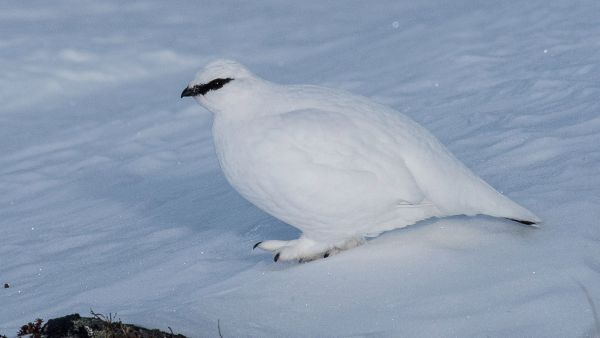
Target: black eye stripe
{"x": 215, "y": 84}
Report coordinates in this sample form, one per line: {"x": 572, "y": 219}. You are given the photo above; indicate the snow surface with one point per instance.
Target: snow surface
{"x": 111, "y": 197}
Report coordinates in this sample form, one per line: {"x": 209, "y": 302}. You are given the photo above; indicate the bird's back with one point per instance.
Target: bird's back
{"x": 445, "y": 181}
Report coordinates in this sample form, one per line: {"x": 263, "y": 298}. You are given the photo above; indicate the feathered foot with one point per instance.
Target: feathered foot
{"x": 304, "y": 249}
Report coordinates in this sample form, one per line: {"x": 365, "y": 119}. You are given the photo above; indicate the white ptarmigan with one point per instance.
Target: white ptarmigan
{"x": 337, "y": 166}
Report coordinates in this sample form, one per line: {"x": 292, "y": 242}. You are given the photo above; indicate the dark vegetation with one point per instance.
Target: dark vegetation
{"x": 96, "y": 326}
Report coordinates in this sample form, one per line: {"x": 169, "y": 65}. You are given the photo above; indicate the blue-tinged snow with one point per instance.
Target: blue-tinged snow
{"x": 111, "y": 197}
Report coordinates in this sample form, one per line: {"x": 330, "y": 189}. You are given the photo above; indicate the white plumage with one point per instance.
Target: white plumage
{"x": 337, "y": 166}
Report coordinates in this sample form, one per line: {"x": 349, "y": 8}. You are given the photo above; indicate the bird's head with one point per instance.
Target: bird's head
{"x": 223, "y": 86}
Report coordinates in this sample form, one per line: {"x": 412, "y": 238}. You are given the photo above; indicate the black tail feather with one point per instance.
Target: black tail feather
{"x": 522, "y": 221}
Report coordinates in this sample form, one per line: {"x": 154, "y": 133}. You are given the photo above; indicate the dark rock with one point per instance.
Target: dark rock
{"x": 63, "y": 327}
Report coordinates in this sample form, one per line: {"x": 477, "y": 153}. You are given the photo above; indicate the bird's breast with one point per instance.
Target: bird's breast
{"x": 241, "y": 163}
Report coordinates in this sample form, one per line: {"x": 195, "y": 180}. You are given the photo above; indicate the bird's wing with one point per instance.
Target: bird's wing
{"x": 338, "y": 155}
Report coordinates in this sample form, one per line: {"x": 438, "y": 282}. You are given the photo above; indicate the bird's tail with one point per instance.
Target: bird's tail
{"x": 489, "y": 201}
{"x": 535, "y": 224}
{"x": 507, "y": 208}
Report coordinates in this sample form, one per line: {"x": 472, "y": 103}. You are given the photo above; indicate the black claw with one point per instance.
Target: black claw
{"x": 276, "y": 258}
{"x": 255, "y": 245}
{"x": 326, "y": 254}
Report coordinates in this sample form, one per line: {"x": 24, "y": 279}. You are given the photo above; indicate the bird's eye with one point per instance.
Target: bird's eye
{"x": 217, "y": 83}
{"x": 201, "y": 89}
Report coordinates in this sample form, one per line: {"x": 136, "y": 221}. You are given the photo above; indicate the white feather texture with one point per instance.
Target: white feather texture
{"x": 335, "y": 165}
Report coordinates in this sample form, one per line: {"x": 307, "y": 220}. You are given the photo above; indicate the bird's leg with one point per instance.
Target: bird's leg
{"x": 305, "y": 250}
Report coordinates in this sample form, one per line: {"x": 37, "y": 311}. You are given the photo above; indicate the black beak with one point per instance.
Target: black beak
{"x": 188, "y": 92}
